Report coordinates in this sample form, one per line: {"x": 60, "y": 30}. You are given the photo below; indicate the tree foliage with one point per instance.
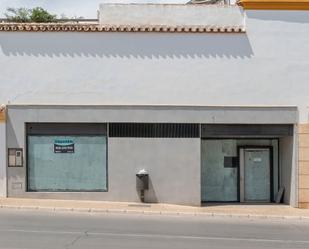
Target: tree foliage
{"x": 18, "y": 14}
{"x": 37, "y": 14}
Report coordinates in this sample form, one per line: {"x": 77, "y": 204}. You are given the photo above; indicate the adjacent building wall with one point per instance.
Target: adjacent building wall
{"x": 304, "y": 165}
{"x": 3, "y": 153}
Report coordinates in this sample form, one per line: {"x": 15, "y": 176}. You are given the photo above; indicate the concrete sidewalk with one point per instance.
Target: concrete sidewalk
{"x": 274, "y": 211}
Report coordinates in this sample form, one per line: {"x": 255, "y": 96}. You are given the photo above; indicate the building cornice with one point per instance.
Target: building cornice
{"x": 56, "y": 27}
{"x": 274, "y": 4}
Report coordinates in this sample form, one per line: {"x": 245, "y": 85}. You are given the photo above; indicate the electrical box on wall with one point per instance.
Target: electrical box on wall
{"x": 15, "y": 157}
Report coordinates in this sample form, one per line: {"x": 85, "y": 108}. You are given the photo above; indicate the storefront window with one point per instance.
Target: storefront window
{"x": 219, "y": 178}
{"x": 67, "y": 163}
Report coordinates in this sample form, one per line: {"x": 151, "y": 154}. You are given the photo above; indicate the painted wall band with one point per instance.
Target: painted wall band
{"x": 274, "y": 4}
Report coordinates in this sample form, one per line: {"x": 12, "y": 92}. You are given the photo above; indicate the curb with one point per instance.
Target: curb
{"x": 148, "y": 212}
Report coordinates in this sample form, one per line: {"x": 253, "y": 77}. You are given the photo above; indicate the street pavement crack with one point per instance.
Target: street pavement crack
{"x": 77, "y": 238}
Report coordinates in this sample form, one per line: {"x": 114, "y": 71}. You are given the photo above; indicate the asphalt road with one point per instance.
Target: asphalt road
{"x": 53, "y": 230}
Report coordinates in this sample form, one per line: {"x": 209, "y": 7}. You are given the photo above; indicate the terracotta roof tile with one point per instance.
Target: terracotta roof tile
{"x": 65, "y": 27}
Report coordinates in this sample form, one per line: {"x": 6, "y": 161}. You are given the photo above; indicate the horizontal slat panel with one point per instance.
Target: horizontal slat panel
{"x": 258, "y": 130}
{"x": 304, "y": 195}
{"x": 303, "y": 205}
{"x": 153, "y": 130}
{"x": 303, "y": 128}
{"x": 303, "y": 154}
{"x": 304, "y": 181}
{"x": 66, "y": 129}
{"x": 304, "y": 167}
{"x": 303, "y": 140}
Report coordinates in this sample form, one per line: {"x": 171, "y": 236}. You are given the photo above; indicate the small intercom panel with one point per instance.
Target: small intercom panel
{"x": 15, "y": 157}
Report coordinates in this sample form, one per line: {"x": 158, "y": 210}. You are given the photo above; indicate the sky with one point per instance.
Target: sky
{"x": 72, "y": 8}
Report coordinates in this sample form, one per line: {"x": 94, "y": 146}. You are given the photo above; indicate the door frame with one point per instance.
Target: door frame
{"x": 243, "y": 147}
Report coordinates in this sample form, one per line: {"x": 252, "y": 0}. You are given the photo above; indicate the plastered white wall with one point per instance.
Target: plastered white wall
{"x": 266, "y": 66}
{"x": 170, "y": 14}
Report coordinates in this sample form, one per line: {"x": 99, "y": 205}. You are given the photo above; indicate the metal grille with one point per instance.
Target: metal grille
{"x": 153, "y": 130}
{"x": 66, "y": 129}
{"x": 246, "y": 130}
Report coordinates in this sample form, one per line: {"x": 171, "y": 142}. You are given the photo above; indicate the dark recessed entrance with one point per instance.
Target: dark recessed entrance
{"x": 234, "y": 170}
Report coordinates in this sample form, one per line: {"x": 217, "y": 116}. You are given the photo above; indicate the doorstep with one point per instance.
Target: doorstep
{"x": 273, "y": 211}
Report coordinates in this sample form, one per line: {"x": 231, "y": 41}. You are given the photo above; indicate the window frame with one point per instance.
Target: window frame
{"x": 27, "y": 189}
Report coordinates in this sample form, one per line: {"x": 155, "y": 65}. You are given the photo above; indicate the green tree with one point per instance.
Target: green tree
{"x": 18, "y": 14}
{"x": 37, "y": 14}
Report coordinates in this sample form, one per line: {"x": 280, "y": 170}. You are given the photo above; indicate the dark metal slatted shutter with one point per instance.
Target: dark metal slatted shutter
{"x": 172, "y": 130}
{"x": 246, "y": 130}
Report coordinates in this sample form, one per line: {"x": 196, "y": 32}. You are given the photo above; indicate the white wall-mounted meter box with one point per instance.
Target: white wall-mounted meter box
{"x": 15, "y": 157}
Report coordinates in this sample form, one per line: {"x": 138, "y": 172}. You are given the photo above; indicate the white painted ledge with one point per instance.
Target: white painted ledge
{"x": 172, "y": 15}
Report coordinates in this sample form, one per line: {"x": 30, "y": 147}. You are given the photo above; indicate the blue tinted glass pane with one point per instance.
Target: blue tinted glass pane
{"x": 219, "y": 183}
{"x": 67, "y": 163}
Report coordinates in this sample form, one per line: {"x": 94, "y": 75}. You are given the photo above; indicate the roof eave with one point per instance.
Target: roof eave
{"x": 274, "y": 4}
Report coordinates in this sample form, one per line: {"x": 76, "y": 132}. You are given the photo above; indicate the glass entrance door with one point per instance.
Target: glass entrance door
{"x": 255, "y": 175}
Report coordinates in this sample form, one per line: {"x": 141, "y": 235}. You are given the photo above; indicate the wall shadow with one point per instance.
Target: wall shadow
{"x": 125, "y": 45}
{"x": 150, "y": 194}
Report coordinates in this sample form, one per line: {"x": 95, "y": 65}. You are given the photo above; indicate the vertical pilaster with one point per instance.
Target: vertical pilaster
{"x": 303, "y": 165}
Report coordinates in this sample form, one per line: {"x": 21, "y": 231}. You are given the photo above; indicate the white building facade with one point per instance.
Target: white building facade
{"x": 212, "y": 101}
